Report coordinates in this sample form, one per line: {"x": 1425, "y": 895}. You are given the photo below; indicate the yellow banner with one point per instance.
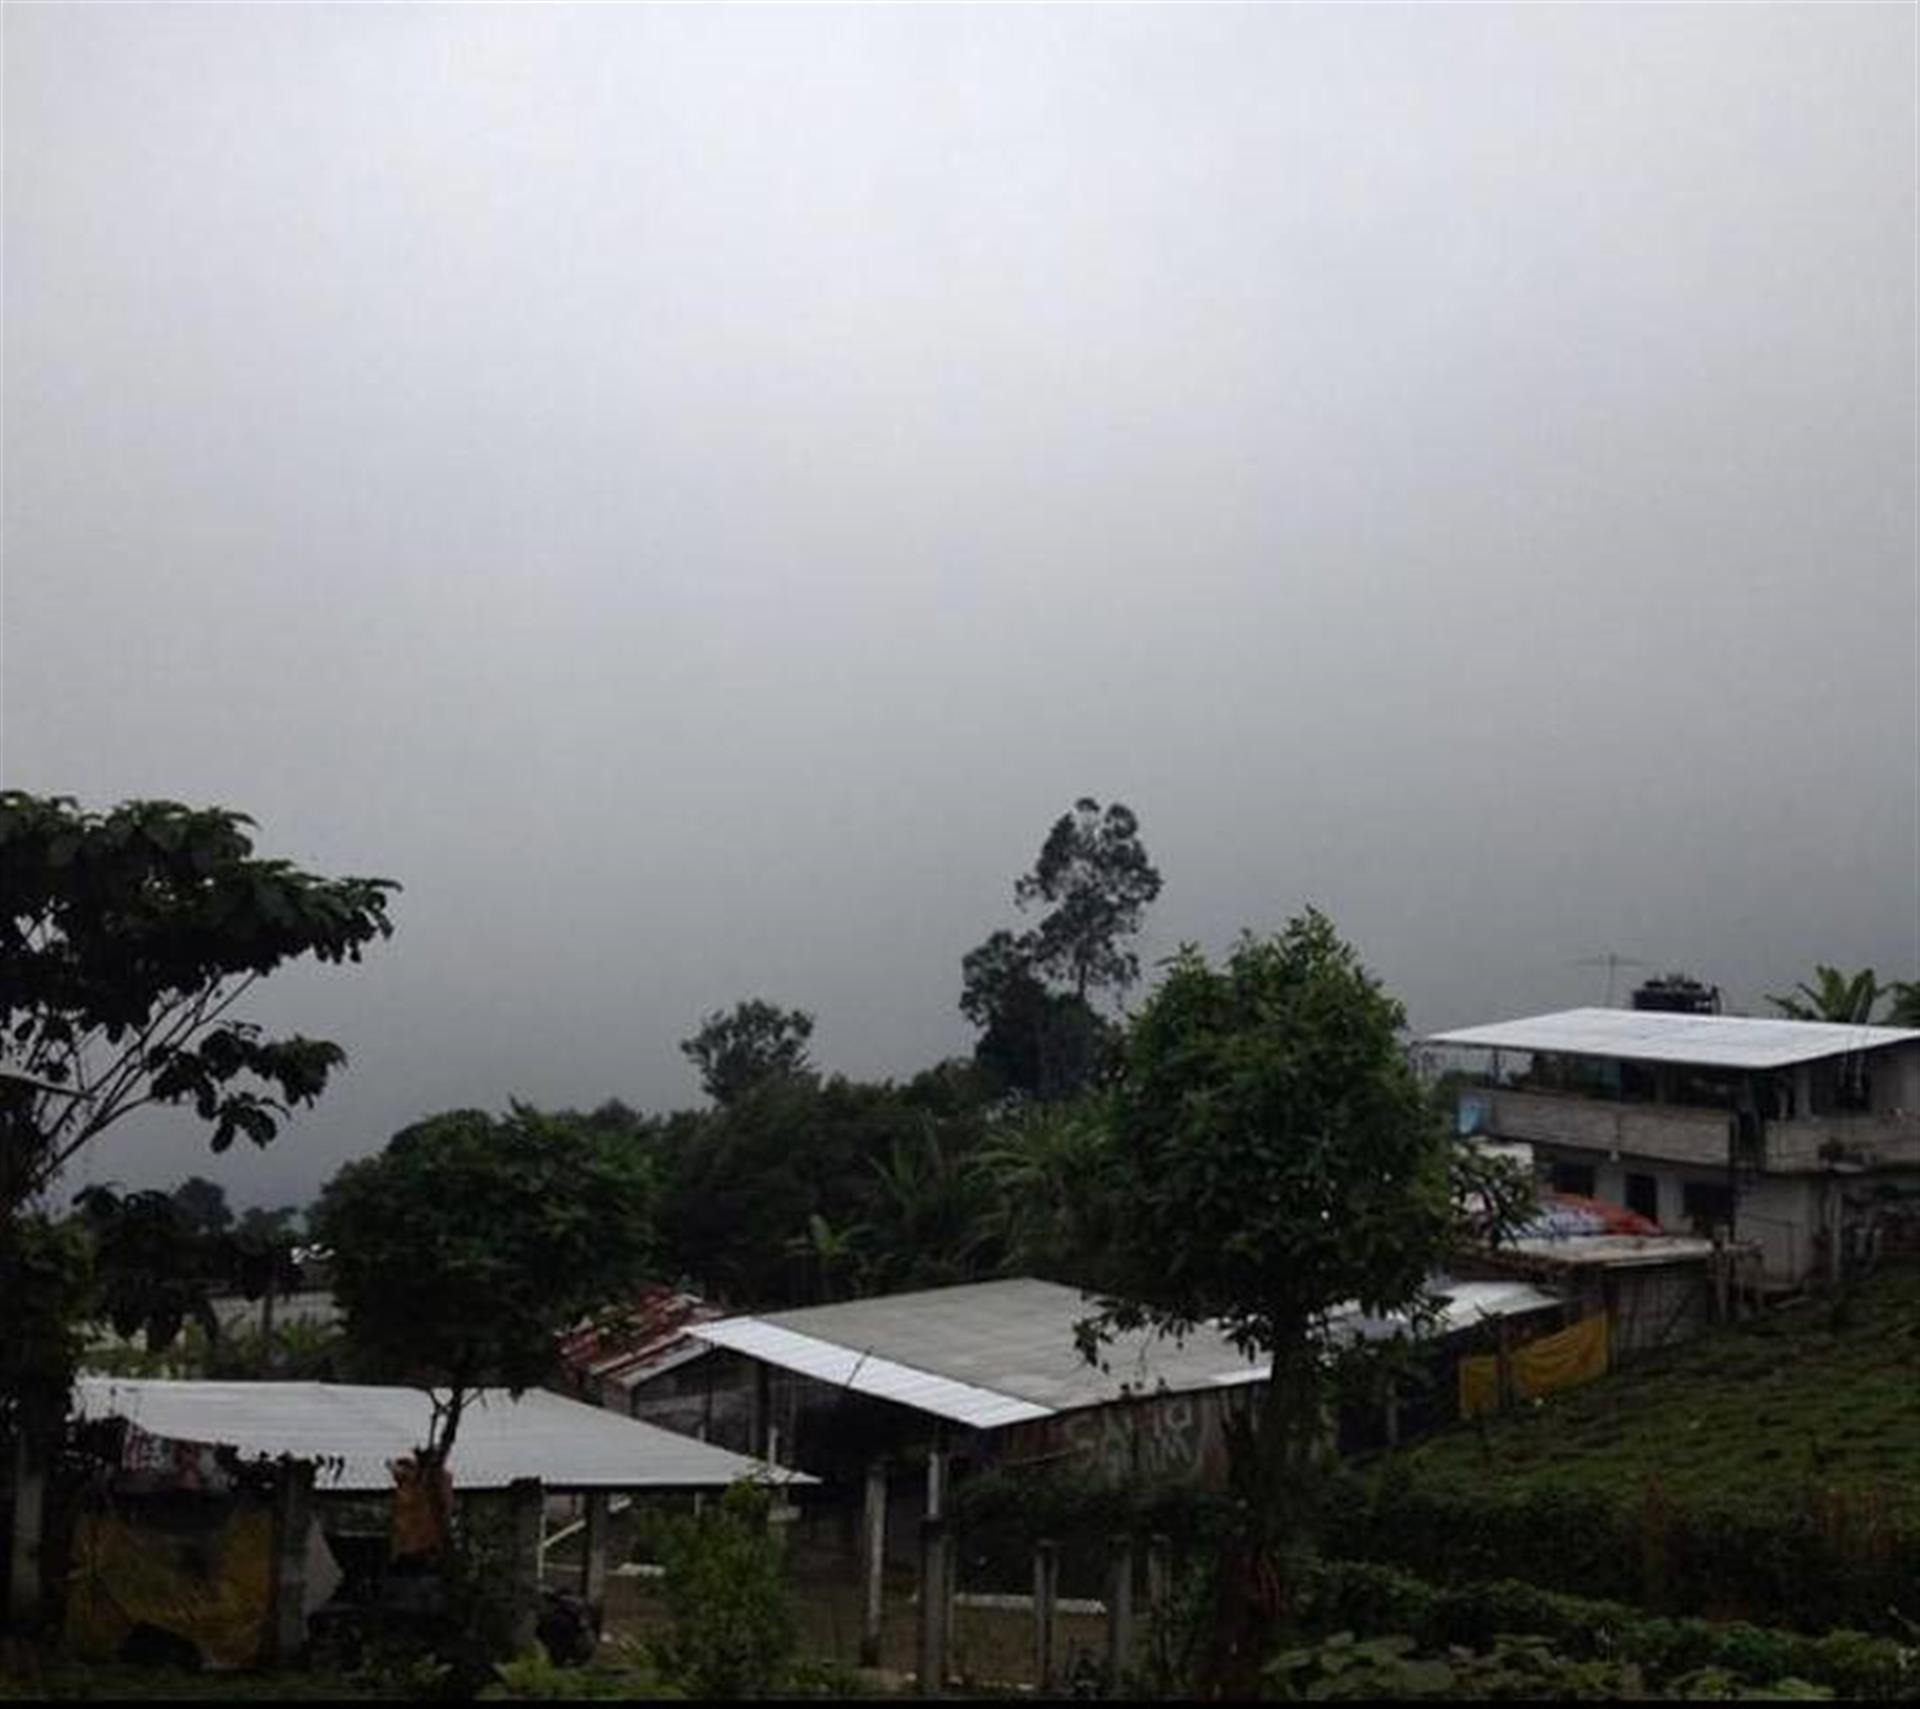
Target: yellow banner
{"x": 1574, "y": 1356}
{"x": 1564, "y": 1360}
{"x": 214, "y": 1592}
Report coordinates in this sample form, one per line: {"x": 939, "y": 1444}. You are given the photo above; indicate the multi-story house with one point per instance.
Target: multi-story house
{"x": 1797, "y": 1136}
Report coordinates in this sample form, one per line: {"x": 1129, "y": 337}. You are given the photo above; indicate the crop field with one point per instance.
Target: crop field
{"x": 1805, "y": 1398}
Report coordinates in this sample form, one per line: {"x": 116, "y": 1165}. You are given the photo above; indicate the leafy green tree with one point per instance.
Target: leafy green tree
{"x": 834, "y": 1258}
{"x": 155, "y": 1268}
{"x": 203, "y": 1205}
{"x": 1904, "y": 1009}
{"x": 754, "y": 1042}
{"x": 1045, "y": 1044}
{"x": 1848, "y": 999}
{"x": 1094, "y": 876}
{"x": 465, "y": 1247}
{"x": 127, "y": 938}
{"x": 1048, "y": 1170}
{"x": 1274, "y": 1157}
{"x": 1032, "y": 994}
{"x": 932, "y": 1223}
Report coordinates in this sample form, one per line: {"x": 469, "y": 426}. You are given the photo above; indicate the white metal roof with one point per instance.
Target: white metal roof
{"x": 359, "y": 1430}
{"x": 1462, "y": 1306}
{"x": 1714, "y": 1041}
{"x": 985, "y": 1354}
{"x": 864, "y": 1373}
{"x": 1614, "y": 1251}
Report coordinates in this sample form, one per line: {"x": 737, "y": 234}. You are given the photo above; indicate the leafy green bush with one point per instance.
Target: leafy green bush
{"x": 733, "y": 1631}
{"x": 1813, "y": 1561}
{"x": 1394, "y": 1668}
{"x": 1368, "y": 1597}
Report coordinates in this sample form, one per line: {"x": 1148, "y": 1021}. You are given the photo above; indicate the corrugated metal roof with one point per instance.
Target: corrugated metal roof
{"x": 363, "y": 1429}
{"x": 1463, "y": 1305}
{"x": 643, "y": 1340}
{"x": 984, "y": 1354}
{"x": 865, "y": 1373}
{"x": 1713, "y": 1041}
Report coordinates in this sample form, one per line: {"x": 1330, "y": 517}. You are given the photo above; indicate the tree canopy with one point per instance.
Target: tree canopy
{"x": 1275, "y": 1153}
{"x": 1032, "y": 994}
{"x": 126, "y": 940}
{"x": 470, "y": 1242}
{"x": 741, "y": 1048}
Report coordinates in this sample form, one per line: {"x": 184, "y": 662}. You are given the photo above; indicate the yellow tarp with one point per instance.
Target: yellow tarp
{"x": 214, "y": 1590}
{"x": 1564, "y": 1360}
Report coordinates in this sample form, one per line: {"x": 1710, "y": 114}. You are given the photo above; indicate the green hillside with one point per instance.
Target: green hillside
{"x": 1793, "y": 1397}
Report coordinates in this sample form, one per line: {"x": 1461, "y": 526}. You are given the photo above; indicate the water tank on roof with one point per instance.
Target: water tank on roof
{"x": 1678, "y": 994}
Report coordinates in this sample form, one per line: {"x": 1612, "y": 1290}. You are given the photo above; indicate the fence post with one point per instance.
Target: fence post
{"x": 1159, "y": 1598}
{"x": 527, "y": 1515}
{"x": 292, "y": 1527}
{"x": 24, "y": 1588}
{"x": 1120, "y": 1614}
{"x": 874, "y": 1562}
{"x": 1046, "y": 1595}
{"x": 936, "y": 1604}
{"x": 593, "y": 1542}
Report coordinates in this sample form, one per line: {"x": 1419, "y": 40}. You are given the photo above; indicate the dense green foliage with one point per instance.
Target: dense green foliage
{"x": 126, "y": 938}
{"x": 1363, "y": 1597}
{"x": 462, "y": 1250}
{"x": 1771, "y": 1470}
{"x": 745, "y": 1047}
{"x": 1033, "y": 994}
{"x": 733, "y": 1630}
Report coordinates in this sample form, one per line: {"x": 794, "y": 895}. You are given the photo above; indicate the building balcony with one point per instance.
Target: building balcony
{"x": 1673, "y": 1133}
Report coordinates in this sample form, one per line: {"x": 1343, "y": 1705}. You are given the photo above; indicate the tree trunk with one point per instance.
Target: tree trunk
{"x": 1272, "y": 1453}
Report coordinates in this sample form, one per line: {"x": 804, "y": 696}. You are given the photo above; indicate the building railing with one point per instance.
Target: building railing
{"x": 1675, "y": 1133}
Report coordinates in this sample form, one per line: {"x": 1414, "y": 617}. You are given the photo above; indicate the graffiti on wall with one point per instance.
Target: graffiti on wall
{"x": 1159, "y": 1436}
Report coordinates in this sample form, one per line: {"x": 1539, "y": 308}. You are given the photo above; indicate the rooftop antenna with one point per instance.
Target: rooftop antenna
{"x": 1612, "y": 963}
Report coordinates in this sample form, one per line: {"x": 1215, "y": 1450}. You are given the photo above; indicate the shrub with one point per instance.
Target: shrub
{"x": 1368, "y": 1597}
{"x": 733, "y": 1630}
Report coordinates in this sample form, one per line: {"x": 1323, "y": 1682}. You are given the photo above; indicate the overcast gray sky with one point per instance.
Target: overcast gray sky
{"x": 692, "y": 493}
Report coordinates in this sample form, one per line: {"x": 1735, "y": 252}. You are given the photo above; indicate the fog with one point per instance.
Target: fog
{"x": 693, "y": 492}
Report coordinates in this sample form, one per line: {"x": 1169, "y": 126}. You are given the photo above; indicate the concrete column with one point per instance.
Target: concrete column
{"x": 292, "y": 1533}
{"x": 1046, "y": 1597}
{"x": 873, "y": 1555}
{"x": 527, "y": 1516}
{"x": 29, "y": 1522}
{"x": 1119, "y": 1615}
{"x": 593, "y": 1573}
{"x": 936, "y": 1604}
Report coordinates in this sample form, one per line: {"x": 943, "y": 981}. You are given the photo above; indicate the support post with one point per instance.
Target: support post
{"x": 292, "y": 1532}
{"x": 527, "y": 1514}
{"x": 874, "y": 1562}
{"x": 762, "y": 1414}
{"x": 29, "y": 1522}
{"x": 1159, "y": 1599}
{"x": 593, "y": 1574}
{"x": 1120, "y": 1615}
{"x": 1046, "y": 1597}
{"x": 936, "y": 1604}
{"x": 937, "y": 1477}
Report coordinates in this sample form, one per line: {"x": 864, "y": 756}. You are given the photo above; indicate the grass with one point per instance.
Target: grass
{"x": 1792, "y": 1400}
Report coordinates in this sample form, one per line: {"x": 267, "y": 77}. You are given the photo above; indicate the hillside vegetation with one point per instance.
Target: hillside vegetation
{"x": 1767, "y": 1471}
